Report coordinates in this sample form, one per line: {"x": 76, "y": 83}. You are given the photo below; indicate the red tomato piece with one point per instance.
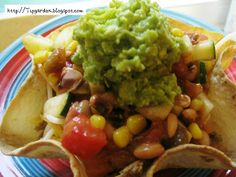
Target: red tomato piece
{"x": 156, "y": 132}
{"x": 81, "y": 139}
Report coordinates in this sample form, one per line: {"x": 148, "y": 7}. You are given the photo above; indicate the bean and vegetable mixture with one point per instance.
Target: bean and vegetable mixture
{"x": 125, "y": 86}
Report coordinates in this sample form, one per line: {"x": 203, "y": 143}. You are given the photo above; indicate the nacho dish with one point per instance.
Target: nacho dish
{"x": 126, "y": 91}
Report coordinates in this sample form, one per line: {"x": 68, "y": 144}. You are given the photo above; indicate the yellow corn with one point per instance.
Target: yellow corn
{"x": 196, "y": 104}
{"x": 98, "y": 121}
{"x": 189, "y": 136}
{"x": 136, "y": 123}
{"x": 177, "y": 32}
{"x": 52, "y": 78}
{"x": 41, "y": 56}
{"x": 72, "y": 46}
{"x": 122, "y": 136}
{"x": 195, "y": 131}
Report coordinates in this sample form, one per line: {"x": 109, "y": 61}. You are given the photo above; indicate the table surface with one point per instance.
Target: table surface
{"x": 217, "y": 15}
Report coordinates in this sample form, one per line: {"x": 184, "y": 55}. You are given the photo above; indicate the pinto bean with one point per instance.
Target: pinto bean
{"x": 190, "y": 114}
{"x": 191, "y": 75}
{"x": 181, "y": 137}
{"x": 103, "y": 103}
{"x": 183, "y": 100}
{"x": 205, "y": 140}
{"x": 83, "y": 107}
{"x": 96, "y": 88}
{"x": 172, "y": 124}
{"x": 83, "y": 89}
{"x": 70, "y": 79}
{"x": 149, "y": 150}
{"x": 196, "y": 38}
{"x": 192, "y": 89}
{"x": 56, "y": 61}
{"x": 177, "y": 109}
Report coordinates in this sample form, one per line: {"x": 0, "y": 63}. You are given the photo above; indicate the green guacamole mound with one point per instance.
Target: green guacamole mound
{"x": 130, "y": 48}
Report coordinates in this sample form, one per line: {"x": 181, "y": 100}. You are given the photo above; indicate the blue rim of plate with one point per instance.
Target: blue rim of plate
{"x": 33, "y": 167}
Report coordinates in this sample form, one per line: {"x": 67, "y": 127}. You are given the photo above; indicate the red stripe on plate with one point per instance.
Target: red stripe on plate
{"x": 231, "y": 70}
{"x": 58, "y": 166}
{"x": 10, "y": 72}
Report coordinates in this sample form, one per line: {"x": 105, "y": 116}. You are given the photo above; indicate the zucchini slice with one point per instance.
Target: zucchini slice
{"x": 202, "y": 77}
{"x": 204, "y": 50}
{"x": 59, "y": 105}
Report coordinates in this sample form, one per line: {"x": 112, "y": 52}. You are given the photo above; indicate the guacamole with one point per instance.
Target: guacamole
{"x": 130, "y": 48}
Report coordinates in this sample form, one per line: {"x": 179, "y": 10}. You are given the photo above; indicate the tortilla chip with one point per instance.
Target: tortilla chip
{"x": 191, "y": 156}
{"x": 195, "y": 29}
{"x": 21, "y": 122}
{"x": 228, "y": 40}
{"x": 25, "y": 109}
{"x": 222, "y": 93}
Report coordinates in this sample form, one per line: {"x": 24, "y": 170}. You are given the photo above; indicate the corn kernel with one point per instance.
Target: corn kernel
{"x": 72, "y": 46}
{"x": 195, "y": 131}
{"x": 177, "y": 32}
{"x": 122, "y": 136}
{"x": 52, "y": 78}
{"x": 196, "y": 104}
{"x": 189, "y": 136}
{"x": 98, "y": 121}
{"x": 136, "y": 123}
{"x": 41, "y": 56}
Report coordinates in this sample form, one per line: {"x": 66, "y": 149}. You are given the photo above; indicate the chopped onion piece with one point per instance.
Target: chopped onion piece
{"x": 49, "y": 134}
{"x": 188, "y": 43}
{"x": 44, "y": 75}
{"x": 47, "y": 128}
{"x": 49, "y": 91}
{"x": 208, "y": 106}
{"x": 52, "y": 119}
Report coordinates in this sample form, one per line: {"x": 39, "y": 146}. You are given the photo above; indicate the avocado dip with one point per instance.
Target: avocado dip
{"x": 130, "y": 49}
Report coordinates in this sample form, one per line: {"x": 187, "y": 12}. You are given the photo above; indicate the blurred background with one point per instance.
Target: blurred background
{"x": 220, "y": 13}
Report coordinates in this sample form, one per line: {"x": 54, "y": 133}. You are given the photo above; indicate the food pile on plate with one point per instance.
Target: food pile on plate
{"x": 126, "y": 91}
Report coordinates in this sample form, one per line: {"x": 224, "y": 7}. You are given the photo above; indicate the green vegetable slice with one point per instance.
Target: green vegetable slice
{"x": 202, "y": 77}
{"x": 204, "y": 50}
{"x": 59, "y": 105}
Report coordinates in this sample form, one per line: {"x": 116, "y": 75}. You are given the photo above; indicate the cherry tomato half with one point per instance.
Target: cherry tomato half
{"x": 81, "y": 139}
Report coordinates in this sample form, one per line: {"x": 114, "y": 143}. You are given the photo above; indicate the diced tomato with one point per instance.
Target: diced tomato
{"x": 81, "y": 139}
{"x": 156, "y": 132}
